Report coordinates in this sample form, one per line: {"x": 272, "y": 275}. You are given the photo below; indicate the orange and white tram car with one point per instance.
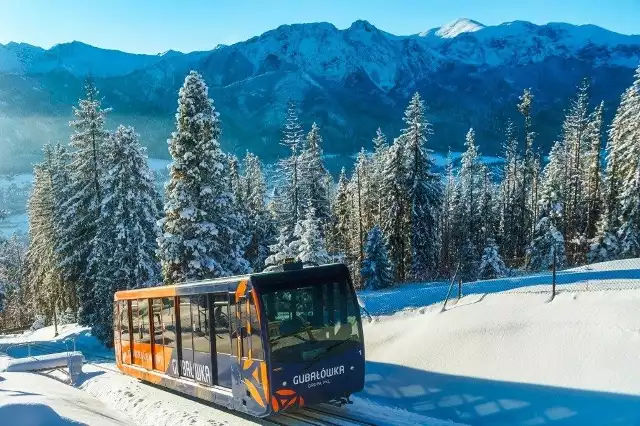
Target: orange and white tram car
{"x": 259, "y": 343}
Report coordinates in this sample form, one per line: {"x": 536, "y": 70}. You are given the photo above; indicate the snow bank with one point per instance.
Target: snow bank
{"x": 613, "y": 275}
{"x": 35, "y": 400}
{"x": 150, "y": 406}
{"x": 510, "y": 358}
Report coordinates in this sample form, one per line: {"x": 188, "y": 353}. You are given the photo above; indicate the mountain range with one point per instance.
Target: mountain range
{"x": 350, "y": 81}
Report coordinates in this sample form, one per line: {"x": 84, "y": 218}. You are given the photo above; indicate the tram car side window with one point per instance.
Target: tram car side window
{"x": 123, "y": 320}
{"x": 200, "y": 318}
{"x": 221, "y": 323}
{"x": 169, "y": 321}
{"x": 186, "y": 338}
{"x": 116, "y": 323}
{"x": 254, "y": 332}
{"x": 135, "y": 321}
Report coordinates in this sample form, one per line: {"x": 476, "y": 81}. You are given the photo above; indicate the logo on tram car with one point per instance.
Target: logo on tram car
{"x": 315, "y": 376}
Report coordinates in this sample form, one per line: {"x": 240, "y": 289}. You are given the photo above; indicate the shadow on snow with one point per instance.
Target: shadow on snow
{"x": 491, "y": 402}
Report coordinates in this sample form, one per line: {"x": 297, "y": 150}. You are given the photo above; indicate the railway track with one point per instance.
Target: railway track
{"x": 321, "y": 415}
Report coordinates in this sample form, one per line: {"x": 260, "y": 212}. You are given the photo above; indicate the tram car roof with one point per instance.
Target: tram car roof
{"x": 283, "y": 275}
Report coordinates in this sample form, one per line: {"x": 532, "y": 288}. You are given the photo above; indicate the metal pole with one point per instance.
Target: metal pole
{"x": 453, "y": 280}
{"x": 553, "y": 286}
{"x": 55, "y": 321}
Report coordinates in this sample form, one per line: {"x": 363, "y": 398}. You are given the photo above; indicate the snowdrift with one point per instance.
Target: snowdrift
{"x": 512, "y": 359}
{"x": 34, "y": 400}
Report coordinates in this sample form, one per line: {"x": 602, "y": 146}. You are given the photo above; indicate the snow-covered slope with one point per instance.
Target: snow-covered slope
{"x": 512, "y": 359}
{"x": 76, "y": 58}
{"x": 28, "y": 399}
{"x": 492, "y": 358}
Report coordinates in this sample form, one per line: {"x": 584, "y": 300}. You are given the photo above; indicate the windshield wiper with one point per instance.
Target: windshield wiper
{"x": 324, "y": 354}
{"x": 282, "y": 336}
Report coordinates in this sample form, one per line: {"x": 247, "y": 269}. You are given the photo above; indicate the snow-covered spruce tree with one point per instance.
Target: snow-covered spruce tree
{"x": 338, "y": 238}
{"x": 576, "y": 143}
{"x": 260, "y": 226}
{"x": 82, "y": 207}
{"x": 554, "y": 183}
{"x": 470, "y": 183}
{"x": 376, "y": 269}
{"x": 57, "y": 162}
{"x": 510, "y": 195}
{"x": 288, "y": 204}
{"x": 309, "y": 244}
{"x": 447, "y": 216}
{"x": 527, "y": 195}
{"x": 488, "y": 210}
{"x": 424, "y": 191}
{"x": 124, "y": 249}
{"x": 41, "y": 272}
{"x": 314, "y": 192}
{"x": 230, "y": 217}
{"x": 200, "y": 221}
{"x": 395, "y": 219}
{"x": 358, "y": 189}
{"x": 280, "y": 251}
{"x": 629, "y": 232}
{"x": 67, "y": 317}
{"x": 12, "y": 308}
{"x": 468, "y": 258}
{"x": 365, "y": 173}
{"x": 234, "y": 178}
{"x": 592, "y": 173}
{"x": 491, "y": 264}
{"x": 380, "y": 147}
{"x": 540, "y": 253}
{"x": 623, "y": 149}
{"x": 605, "y": 245}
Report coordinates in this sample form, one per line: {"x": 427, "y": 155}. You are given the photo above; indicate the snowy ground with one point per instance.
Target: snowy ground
{"x": 28, "y": 399}
{"x": 494, "y": 357}
{"x": 513, "y": 359}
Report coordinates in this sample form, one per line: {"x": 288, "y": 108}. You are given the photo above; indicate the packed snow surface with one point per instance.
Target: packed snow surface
{"x": 28, "y": 399}
{"x": 150, "y": 406}
{"x": 512, "y": 359}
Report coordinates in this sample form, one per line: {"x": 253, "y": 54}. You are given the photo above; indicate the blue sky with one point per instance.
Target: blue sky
{"x": 153, "y": 26}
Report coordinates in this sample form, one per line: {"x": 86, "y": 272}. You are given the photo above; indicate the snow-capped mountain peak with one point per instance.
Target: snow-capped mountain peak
{"x": 459, "y": 26}
{"x": 455, "y": 28}
{"x": 170, "y": 53}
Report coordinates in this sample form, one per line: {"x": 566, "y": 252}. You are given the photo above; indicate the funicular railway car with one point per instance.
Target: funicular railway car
{"x": 260, "y": 343}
